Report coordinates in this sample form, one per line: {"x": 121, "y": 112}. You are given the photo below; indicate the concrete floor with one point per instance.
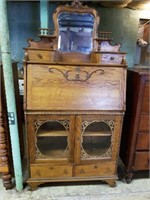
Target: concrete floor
{"x": 138, "y": 189}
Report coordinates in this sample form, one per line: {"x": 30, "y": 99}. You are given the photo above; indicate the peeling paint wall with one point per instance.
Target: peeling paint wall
{"x": 24, "y": 21}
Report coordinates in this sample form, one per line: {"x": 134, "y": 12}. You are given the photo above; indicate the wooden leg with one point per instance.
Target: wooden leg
{"x": 33, "y": 185}
{"x": 6, "y": 177}
{"x": 111, "y": 183}
{"x": 129, "y": 177}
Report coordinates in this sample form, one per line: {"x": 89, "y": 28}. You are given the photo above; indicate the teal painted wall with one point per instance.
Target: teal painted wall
{"x": 24, "y": 21}
{"x": 123, "y": 23}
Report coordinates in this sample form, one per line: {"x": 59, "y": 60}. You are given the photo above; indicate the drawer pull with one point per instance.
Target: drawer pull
{"x": 112, "y": 58}
{"x": 51, "y": 168}
{"x": 39, "y": 56}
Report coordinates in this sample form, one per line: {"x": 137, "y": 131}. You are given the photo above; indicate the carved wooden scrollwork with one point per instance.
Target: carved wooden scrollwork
{"x": 78, "y": 74}
{"x": 76, "y": 4}
{"x": 38, "y": 123}
{"x": 110, "y": 123}
{"x": 107, "y": 154}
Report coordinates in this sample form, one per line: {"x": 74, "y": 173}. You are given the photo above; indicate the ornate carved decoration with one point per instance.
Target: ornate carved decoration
{"x": 85, "y": 124}
{"x": 77, "y": 4}
{"x": 39, "y": 154}
{"x": 107, "y": 154}
{"x": 74, "y": 113}
{"x": 65, "y": 123}
{"x": 110, "y": 123}
{"x": 46, "y": 42}
{"x": 79, "y": 75}
{"x": 38, "y": 123}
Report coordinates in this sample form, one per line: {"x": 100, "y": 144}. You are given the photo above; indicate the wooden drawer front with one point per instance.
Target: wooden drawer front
{"x": 144, "y": 123}
{"x": 40, "y": 55}
{"x": 105, "y": 169}
{"x": 145, "y": 105}
{"x": 143, "y": 141}
{"x": 141, "y": 161}
{"x": 50, "y": 171}
{"x": 112, "y": 58}
{"x": 75, "y": 88}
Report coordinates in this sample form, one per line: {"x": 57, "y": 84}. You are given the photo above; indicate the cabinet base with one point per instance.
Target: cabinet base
{"x": 34, "y": 183}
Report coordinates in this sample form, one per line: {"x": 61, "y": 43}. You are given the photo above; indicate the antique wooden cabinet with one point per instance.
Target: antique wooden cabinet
{"x": 74, "y": 100}
{"x": 135, "y": 138}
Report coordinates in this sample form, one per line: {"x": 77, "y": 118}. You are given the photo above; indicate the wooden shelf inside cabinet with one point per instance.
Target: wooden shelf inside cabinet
{"x": 102, "y": 133}
{"x": 47, "y": 133}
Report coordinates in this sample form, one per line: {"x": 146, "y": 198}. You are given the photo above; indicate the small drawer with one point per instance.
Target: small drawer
{"x": 50, "y": 171}
{"x": 141, "y": 161}
{"x": 105, "y": 169}
{"x": 144, "y": 123}
{"x": 145, "y": 105}
{"x": 143, "y": 141}
{"x": 112, "y": 58}
{"x": 40, "y": 55}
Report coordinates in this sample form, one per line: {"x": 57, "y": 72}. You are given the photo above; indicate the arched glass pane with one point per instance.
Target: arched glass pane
{"x": 97, "y": 139}
{"x": 52, "y": 140}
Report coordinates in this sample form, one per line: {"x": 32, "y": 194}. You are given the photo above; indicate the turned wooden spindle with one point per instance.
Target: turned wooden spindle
{"x": 6, "y": 176}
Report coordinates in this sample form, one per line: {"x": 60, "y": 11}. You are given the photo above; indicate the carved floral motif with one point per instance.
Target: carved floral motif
{"x": 78, "y": 74}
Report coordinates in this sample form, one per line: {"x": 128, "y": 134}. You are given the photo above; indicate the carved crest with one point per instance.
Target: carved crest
{"x": 76, "y": 4}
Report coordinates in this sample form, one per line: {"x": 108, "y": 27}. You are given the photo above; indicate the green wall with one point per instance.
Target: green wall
{"x": 123, "y": 23}
{"x": 24, "y": 21}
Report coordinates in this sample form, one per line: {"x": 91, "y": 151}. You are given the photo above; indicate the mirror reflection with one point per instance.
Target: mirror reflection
{"x": 75, "y": 32}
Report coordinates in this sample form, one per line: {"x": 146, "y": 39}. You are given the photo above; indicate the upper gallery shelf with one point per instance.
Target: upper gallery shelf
{"x": 75, "y": 34}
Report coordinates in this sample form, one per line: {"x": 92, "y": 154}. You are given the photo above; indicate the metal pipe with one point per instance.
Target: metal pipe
{"x": 44, "y": 14}
{"x": 10, "y": 94}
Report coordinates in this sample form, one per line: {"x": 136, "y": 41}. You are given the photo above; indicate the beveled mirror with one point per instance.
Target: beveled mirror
{"x": 75, "y": 27}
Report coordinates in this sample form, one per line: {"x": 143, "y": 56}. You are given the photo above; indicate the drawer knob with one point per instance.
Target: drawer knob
{"x": 112, "y": 58}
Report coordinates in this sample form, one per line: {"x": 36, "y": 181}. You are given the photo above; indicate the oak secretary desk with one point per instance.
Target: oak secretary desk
{"x": 74, "y": 102}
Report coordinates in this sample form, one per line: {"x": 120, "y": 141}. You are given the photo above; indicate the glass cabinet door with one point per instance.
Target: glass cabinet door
{"x": 52, "y": 139}
{"x": 96, "y": 139}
